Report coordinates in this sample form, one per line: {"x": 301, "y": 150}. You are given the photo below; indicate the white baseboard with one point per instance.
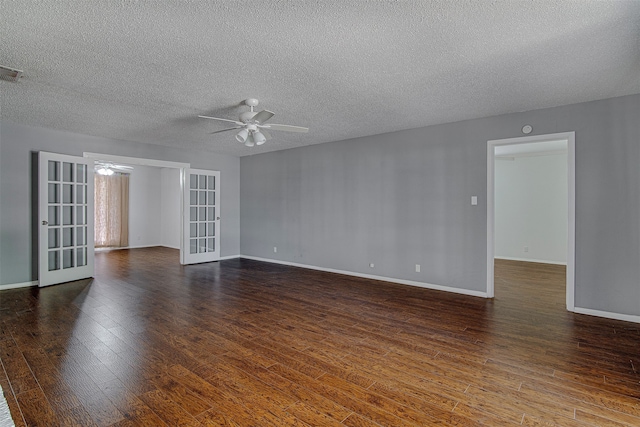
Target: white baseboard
{"x": 541, "y": 261}
{"x": 18, "y": 285}
{"x": 154, "y": 246}
{"x": 608, "y": 315}
{"x": 170, "y": 247}
{"x": 579, "y": 310}
{"x": 143, "y": 246}
{"x": 129, "y": 247}
{"x": 371, "y": 276}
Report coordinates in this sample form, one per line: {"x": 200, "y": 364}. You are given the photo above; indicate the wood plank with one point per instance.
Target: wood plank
{"x": 302, "y": 394}
{"x": 171, "y": 412}
{"x": 35, "y": 409}
{"x": 16, "y": 367}
{"x": 373, "y": 411}
{"x": 312, "y": 416}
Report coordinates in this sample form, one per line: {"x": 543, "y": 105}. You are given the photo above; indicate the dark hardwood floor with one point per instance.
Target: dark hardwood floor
{"x": 245, "y": 343}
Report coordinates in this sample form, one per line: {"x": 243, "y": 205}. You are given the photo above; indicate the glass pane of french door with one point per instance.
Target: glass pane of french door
{"x": 65, "y": 218}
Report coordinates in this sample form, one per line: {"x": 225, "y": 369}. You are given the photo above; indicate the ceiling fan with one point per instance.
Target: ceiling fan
{"x": 108, "y": 168}
{"x": 252, "y": 124}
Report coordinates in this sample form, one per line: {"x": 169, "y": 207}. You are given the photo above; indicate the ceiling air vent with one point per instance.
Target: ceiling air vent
{"x": 10, "y": 74}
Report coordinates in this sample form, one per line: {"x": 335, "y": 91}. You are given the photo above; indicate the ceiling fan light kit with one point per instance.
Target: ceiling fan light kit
{"x": 242, "y": 135}
{"x": 252, "y": 127}
{"x": 259, "y": 138}
{"x": 104, "y": 171}
{"x": 107, "y": 168}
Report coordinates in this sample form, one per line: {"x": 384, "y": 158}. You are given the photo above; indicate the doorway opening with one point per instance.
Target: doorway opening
{"x": 558, "y": 253}
{"x": 164, "y": 177}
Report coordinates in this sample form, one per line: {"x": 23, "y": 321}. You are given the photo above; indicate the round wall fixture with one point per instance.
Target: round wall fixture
{"x": 526, "y": 129}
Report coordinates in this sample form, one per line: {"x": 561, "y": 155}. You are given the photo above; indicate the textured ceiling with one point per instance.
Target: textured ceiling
{"x": 142, "y": 71}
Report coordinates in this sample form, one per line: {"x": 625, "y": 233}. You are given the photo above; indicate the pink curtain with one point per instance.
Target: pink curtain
{"x": 111, "y": 210}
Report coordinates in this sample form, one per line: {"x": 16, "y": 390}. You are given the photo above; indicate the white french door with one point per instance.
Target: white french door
{"x": 65, "y": 218}
{"x": 201, "y": 216}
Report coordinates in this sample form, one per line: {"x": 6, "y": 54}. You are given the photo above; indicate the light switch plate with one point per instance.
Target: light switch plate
{"x": 474, "y": 200}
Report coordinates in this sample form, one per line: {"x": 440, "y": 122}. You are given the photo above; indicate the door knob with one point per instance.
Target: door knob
{"x": 44, "y": 222}
{"x": 217, "y": 218}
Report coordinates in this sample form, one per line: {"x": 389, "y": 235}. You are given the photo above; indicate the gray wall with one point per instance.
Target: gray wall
{"x": 531, "y": 208}
{"x": 145, "y": 198}
{"x": 17, "y": 143}
{"x": 403, "y": 198}
{"x": 171, "y": 210}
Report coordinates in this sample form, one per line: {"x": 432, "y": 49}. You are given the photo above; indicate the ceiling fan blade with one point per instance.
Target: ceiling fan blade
{"x": 222, "y": 120}
{"x": 225, "y": 130}
{"x": 287, "y": 128}
{"x": 266, "y": 134}
{"x": 263, "y": 116}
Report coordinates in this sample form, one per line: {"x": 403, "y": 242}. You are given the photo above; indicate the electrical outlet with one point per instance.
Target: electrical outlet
{"x": 372, "y": 265}
{"x": 275, "y": 249}
{"x": 417, "y": 268}
{"x": 526, "y": 248}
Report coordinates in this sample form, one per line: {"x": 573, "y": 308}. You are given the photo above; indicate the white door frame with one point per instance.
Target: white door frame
{"x": 153, "y": 163}
{"x": 136, "y": 161}
{"x": 571, "y": 236}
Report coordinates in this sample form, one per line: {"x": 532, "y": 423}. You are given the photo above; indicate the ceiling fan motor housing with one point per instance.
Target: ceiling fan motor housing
{"x": 247, "y": 116}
